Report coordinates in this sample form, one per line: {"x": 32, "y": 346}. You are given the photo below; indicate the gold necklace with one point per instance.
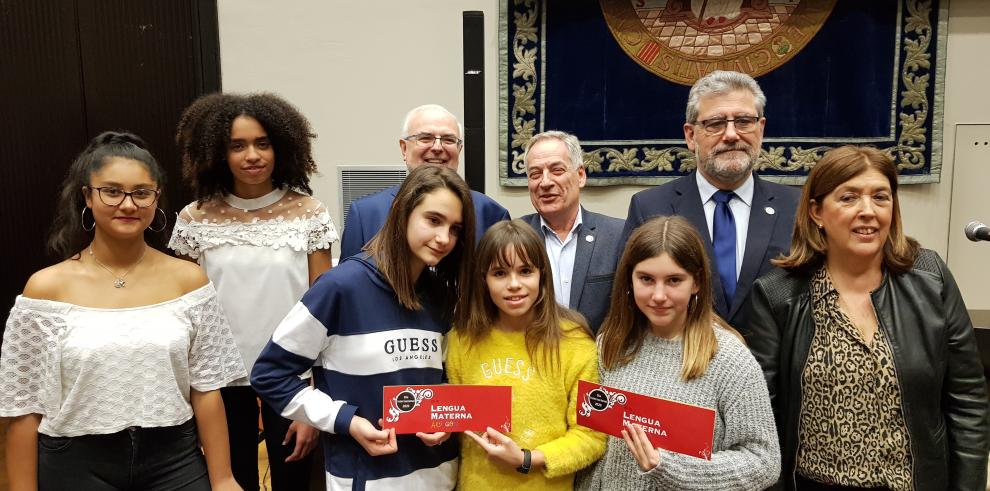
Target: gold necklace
{"x": 118, "y": 281}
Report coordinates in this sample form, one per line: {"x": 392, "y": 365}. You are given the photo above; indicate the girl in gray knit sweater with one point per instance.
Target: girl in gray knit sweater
{"x": 662, "y": 339}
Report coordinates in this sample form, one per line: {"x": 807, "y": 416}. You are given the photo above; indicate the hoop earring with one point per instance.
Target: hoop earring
{"x": 82, "y": 220}
{"x": 164, "y": 220}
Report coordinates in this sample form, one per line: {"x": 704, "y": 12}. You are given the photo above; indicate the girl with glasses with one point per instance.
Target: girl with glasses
{"x": 263, "y": 240}
{"x": 112, "y": 358}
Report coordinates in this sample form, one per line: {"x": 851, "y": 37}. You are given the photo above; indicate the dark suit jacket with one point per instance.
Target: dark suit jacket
{"x": 366, "y": 216}
{"x": 768, "y": 235}
{"x": 594, "y": 263}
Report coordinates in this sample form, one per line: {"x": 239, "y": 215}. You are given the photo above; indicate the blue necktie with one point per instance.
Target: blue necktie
{"x": 724, "y": 242}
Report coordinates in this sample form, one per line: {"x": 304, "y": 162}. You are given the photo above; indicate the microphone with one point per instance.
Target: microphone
{"x": 977, "y": 231}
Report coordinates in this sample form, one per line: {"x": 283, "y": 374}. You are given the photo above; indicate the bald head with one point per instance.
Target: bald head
{"x": 430, "y": 120}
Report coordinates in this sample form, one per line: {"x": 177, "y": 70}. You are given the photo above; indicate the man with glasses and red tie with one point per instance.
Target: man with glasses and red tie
{"x": 430, "y": 135}
{"x": 744, "y": 220}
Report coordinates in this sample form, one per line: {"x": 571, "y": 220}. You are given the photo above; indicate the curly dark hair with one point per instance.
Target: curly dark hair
{"x": 203, "y": 135}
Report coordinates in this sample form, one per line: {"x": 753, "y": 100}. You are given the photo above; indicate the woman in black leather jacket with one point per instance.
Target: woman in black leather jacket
{"x": 866, "y": 344}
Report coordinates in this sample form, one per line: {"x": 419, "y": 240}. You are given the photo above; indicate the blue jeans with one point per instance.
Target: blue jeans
{"x": 152, "y": 459}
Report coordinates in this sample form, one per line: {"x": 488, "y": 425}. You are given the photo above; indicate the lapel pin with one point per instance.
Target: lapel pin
{"x": 589, "y": 238}
{"x": 770, "y": 210}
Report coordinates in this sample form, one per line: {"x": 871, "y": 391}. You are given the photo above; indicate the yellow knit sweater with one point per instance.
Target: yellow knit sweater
{"x": 543, "y": 408}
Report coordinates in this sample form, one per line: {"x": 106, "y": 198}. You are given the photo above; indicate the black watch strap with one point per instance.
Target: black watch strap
{"x": 527, "y": 462}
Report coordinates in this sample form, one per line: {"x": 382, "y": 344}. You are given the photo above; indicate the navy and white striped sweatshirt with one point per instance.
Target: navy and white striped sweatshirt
{"x": 352, "y": 330}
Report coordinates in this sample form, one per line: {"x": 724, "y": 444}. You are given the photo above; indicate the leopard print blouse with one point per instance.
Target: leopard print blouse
{"x": 852, "y": 428}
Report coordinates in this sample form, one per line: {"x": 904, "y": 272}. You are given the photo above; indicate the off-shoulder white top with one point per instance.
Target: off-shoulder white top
{"x": 98, "y": 371}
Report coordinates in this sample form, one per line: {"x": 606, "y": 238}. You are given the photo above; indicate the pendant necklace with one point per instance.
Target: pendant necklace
{"x": 118, "y": 281}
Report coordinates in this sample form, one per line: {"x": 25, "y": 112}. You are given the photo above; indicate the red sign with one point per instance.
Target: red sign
{"x": 450, "y": 408}
{"x": 670, "y": 425}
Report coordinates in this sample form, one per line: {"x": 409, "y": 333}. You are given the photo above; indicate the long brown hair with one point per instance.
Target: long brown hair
{"x": 808, "y": 243}
{"x": 476, "y": 317}
{"x": 390, "y": 246}
{"x": 626, "y": 327}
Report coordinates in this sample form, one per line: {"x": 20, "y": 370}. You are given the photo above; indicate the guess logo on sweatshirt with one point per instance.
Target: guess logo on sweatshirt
{"x": 508, "y": 367}
{"x": 412, "y": 348}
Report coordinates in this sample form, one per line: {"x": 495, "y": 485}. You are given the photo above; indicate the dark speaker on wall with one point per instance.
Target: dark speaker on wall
{"x": 474, "y": 99}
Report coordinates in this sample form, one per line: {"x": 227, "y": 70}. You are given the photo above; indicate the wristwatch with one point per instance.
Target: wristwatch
{"x": 527, "y": 461}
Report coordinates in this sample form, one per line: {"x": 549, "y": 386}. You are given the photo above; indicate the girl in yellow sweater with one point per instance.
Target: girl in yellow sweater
{"x": 512, "y": 332}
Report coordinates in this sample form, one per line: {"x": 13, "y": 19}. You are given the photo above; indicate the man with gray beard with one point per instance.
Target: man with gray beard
{"x": 744, "y": 220}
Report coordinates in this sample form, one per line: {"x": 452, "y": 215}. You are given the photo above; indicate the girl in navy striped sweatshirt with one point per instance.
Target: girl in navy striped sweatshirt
{"x": 378, "y": 319}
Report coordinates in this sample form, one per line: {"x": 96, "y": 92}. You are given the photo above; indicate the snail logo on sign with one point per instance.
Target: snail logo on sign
{"x": 683, "y": 40}
{"x": 600, "y": 399}
{"x": 406, "y": 401}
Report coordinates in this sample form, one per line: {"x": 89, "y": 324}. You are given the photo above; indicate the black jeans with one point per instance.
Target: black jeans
{"x": 153, "y": 459}
{"x": 241, "y": 406}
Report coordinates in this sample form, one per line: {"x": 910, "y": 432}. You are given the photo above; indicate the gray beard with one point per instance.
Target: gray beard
{"x": 725, "y": 173}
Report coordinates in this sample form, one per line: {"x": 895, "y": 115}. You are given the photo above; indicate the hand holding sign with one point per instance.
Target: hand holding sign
{"x": 433, "y": 439}
{"x": 374, "y": 441}
{"x": 639, "y": 444}
{"x": 501, "y": 448}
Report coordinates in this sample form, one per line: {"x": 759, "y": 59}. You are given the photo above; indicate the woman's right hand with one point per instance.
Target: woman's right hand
{"x": 374, "y": 441}
{"x": 639, "y": 444}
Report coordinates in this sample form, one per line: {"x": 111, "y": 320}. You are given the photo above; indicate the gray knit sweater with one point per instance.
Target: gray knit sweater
{"x": 746, "y": 453}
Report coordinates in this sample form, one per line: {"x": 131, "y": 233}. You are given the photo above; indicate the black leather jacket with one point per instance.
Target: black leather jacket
{"x": 943, "y": 390}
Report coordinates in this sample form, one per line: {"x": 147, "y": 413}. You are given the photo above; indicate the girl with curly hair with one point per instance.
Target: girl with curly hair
{"x": 263, "y": 239}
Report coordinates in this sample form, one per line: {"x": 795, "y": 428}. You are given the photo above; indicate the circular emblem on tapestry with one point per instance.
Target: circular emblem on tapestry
{"x": 683, "y": 40}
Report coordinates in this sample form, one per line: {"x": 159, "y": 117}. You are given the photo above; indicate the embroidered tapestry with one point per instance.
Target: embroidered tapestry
{"x": 616, "y": 73}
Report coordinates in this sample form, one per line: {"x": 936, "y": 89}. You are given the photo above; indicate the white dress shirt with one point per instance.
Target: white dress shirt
{"x": 561, "y": 253}
{"x": 740, "y": 206}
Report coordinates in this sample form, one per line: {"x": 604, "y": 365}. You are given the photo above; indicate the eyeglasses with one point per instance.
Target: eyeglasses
{"x": 112, "y": 196}
{"x": 717, "y": 126}
{"x": 428, "y": 140}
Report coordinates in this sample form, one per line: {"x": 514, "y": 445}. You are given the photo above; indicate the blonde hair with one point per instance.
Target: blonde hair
{"x": 477, "y": 316}
{"x": 626, "y": 327}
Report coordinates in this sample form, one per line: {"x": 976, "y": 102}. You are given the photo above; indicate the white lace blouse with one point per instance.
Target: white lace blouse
{"x": 256, "y": 252}
{"x": 93, "y": 371}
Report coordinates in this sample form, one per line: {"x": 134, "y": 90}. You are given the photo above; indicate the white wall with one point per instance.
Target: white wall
{"x": 355, "y": 68}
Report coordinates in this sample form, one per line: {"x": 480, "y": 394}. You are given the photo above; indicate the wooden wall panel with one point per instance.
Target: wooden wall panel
{"x": 44, "y": 126}
{"x": 139, "y": 73}
{"x": 72, "y": 69}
